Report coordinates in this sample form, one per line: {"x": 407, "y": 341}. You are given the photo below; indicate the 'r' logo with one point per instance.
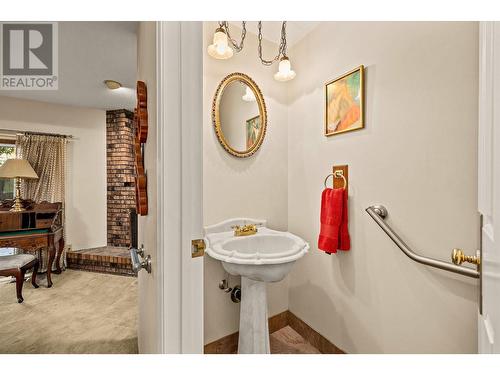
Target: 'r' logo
{"x": 27, "y": 49}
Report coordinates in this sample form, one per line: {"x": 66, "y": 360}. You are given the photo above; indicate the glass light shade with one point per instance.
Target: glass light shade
{"x": 220, "y": 48}
{"x": 285, "y": 72}
{"x": 249, "y": 95}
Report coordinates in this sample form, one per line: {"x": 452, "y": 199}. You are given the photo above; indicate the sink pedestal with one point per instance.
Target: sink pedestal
{"x": 254, "y": 330}
{"x": 267, "y": 256}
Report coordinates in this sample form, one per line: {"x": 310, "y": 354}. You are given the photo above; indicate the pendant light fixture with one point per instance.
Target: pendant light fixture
{"x": 249, "y": 95}
{"x": 223, "y": 45}
{"x": 285, "y": 72}
{"x": 284, "y": 69}
{"x": 220, "y": 49}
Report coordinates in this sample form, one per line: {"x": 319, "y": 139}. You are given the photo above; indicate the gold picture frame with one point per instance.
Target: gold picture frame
{"x": 344, "y": 103}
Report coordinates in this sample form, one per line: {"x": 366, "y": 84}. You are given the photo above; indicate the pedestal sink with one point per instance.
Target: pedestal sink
{"x": 264, "y": 257}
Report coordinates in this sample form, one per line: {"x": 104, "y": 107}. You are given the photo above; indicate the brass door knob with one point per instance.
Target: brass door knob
{"x": 458, "y": 257}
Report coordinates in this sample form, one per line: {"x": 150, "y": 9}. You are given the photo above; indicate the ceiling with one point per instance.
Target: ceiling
{"x": 89, "y": 53}
{"x": 271, "y": 30}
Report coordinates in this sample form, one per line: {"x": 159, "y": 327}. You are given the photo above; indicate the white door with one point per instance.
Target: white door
{"x": 489, "y": 186}
{"x": 171, "y": 296}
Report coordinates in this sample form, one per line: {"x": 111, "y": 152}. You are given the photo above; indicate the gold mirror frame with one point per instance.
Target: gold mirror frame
{"x": 216, "y": 114}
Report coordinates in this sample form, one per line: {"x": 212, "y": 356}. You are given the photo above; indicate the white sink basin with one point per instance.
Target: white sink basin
{"x": 266, "y": 256}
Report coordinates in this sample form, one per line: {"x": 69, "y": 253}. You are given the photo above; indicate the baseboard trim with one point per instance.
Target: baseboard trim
{"x": 229, "y": 344}
{"x": 225, "y": 345}
{"x": 315, "y": 338}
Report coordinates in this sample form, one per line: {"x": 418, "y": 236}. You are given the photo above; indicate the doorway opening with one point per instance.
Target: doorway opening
{"x": 79, "y": 218}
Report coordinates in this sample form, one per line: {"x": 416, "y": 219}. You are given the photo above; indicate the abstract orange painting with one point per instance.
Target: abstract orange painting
{"x": 344, "y": 103}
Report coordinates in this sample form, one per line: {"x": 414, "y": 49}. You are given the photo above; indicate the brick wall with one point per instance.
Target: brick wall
{"x": 120, "y": 171}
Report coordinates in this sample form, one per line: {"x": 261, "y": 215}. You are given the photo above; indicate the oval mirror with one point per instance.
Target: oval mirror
{"x": 239, "y": 115}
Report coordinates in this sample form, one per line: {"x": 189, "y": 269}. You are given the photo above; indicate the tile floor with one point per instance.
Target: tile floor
{"x": 288, "y": 341}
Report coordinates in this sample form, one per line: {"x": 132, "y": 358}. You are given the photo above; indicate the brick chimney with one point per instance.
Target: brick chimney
{"x": 120, "y": 176}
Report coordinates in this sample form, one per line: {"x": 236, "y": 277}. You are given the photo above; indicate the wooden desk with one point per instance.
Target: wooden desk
{"x": 37, "y": 228}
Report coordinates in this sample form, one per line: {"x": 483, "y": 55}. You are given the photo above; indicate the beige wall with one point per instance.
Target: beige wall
{"x": 148, "y": 283}
{"x": 417, "y": 156}
{"x": 253, "y": 187}
{"x": 86, "y": 164}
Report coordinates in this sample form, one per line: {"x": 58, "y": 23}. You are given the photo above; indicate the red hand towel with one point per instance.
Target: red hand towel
{"x": 345, "y": 240}
{"x": 330, "y": 218}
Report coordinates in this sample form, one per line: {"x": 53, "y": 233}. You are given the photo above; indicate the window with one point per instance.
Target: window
{"x": 7, "y": 151}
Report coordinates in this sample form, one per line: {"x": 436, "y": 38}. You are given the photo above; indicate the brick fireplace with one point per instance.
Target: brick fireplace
{"x": 114, "y": 257}
{"x": 120, "y": 176}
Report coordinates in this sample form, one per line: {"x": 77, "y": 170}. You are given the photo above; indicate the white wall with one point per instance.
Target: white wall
{"x": 86, "y": 164}
{"x": 232, "y": 187}
{"x": 417, "y": 156}
{"x": 148, "y": 283}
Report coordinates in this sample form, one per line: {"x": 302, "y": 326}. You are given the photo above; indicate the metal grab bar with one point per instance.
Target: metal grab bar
{"x": 379, "y": 213}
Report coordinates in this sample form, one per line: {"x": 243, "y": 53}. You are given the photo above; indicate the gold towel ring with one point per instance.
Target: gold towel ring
{"x": 337, "y": 174}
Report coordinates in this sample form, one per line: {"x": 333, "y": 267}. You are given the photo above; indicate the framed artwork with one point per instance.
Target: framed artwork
{"x": 253, "y": 128}
{"x": 344, "y": 103}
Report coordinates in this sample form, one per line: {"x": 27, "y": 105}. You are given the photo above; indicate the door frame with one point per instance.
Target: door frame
{"x": 488, "y": 318}
{"x": 179, "y": 62}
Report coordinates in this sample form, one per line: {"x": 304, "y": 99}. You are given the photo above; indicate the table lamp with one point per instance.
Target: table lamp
{"x": 17, "y": 168}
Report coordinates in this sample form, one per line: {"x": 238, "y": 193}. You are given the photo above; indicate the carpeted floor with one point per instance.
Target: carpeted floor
{"x": 83, "y": 312}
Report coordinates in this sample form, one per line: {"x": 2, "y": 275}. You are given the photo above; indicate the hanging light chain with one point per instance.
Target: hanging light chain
{"x": 281, "y": 48}
{"x": 237, "y": 46}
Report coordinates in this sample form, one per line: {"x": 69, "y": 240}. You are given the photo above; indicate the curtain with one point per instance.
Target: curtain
{"x": 47, "y": 156}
